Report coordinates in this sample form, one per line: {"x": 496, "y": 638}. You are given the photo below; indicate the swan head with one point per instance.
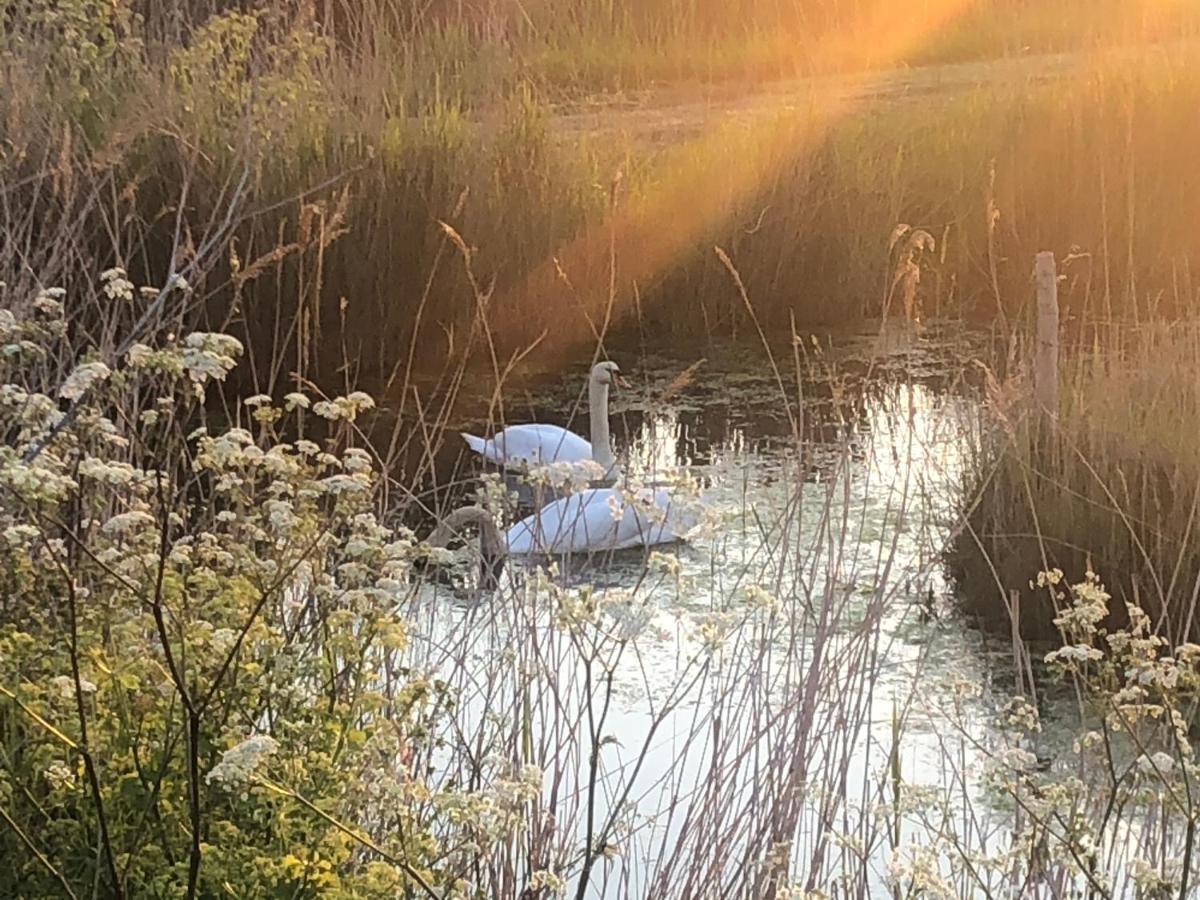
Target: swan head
{"x": 607, "y": 373}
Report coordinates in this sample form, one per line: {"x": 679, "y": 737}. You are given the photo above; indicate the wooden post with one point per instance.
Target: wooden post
{"x": 1045, "y": 372}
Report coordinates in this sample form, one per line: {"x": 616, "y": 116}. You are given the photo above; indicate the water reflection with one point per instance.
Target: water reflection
{"x": 774, "y": 657}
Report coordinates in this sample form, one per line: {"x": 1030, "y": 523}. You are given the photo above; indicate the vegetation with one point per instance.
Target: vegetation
{"x": 1112, "y": 483}
{"x": 282, "y": 129}
{"x": 224, "y": 667}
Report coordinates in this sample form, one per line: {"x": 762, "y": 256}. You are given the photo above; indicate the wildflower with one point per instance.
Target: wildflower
{"x": 257, "y": 400}
{"x": 116, "y": 285}
{"x": 1188, "y": 654}
{"x": 81, "y": 380}
{"x": 545, "y": 881}
{"x": 37, "y": 481}
{"x": 356, "y": 460}
{"x": 665, "y": 563}
{"x": 327, "y": 409}
{"x": 347, "y": 407}
{"x": 65, "y": 686}
{"x": 19, "y": 535}
{"x": 1023, "y": 715}
{"x": 295, "y": 400}
{"x": 758, "y": 597}
{"x": 343, "y": 484}
{"x": 1074, "y": 653}
{"x": 279, "y": 514}
{"x": 222, "y": 640}
{"x": 59, "y": 776}
{"x": 1150, "y": 882}
{"x": 114, "y": 473}
{"x": 1156, "y": 764}
{"x": 48, "y": 306}
{"x": 238, "y": 764}
{"x": 1018, "y": 760}
{"x": 360, "y": 400}
{"x": 180, "y": 283}
{"x": 1049, "y": 578}
{"x": 124, "y": 523}
{"x": 139, "y": 355}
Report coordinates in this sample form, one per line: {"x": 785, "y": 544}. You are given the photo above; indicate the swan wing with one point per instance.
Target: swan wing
{"x": 580, "y": 523}
{"x": 530, "y": 445}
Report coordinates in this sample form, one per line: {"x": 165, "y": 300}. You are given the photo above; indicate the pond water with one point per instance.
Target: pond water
{"x": 744, "y": 711}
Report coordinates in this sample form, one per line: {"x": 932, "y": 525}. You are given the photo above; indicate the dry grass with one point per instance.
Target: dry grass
{"x": 1114, "y": 484}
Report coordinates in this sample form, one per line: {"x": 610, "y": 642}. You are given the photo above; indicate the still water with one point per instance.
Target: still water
{"x": 745, "y": 710}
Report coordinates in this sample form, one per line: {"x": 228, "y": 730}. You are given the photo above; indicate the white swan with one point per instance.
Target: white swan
{"x": 594, "y": 520}
{"x": 522, "y": 446}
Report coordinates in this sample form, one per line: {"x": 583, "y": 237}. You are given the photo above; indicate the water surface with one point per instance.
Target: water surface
{"x": 765, "y": 685}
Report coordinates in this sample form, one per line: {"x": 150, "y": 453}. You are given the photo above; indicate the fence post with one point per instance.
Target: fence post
{"x": 1045, "y": 373}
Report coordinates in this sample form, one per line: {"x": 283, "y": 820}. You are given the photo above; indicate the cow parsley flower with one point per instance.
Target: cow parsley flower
{"x": 343, "y": 484}
{"x": 116, "y": 285}
{"x": 80, "y": 381}
{"x": 356, "y": 460}
{"x": 65, "y": 685}
{"x": 238, "y": 764}
{"x": 1074, "y": 653}
{"x": 1156, "y": 764}
{"x": 295, "y": 400}
{"x": 124, "y": 523}
{"x": 48, "y": 305}
{"x": 59, "y": 776}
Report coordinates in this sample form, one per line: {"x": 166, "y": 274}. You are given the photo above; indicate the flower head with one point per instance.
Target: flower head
{"x": 238, "y": 764}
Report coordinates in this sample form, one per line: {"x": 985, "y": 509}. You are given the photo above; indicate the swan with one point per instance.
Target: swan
{"x": 594, "y": 520}
{"x": 522, "y": 446}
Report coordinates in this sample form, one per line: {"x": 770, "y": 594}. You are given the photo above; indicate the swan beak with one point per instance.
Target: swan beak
{"x": 619, "y": 381}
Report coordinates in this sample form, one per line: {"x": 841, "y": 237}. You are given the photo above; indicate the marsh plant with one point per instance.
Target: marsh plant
{"x": 201, "y": 657}
{"x": 222, "y": 671}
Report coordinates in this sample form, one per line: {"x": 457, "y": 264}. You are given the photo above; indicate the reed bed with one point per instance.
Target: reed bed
{"x": 299, "y": 124}
{"x": 1111, "y": 484}
{"x": 223, "y": 666}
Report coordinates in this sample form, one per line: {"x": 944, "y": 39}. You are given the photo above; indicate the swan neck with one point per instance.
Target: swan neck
{"x": 491, "y": 543}
{"x": 598, "y": 411}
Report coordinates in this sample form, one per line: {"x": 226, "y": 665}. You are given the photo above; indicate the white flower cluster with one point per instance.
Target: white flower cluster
{"x": 116, "y": 285}
{"x": 65, "y": 685}
{"x": 344, "y": 408}
{"x": 209, "y": 356}
{"x": 238, "y": 764}
{"x": 916, "y": 871}
{"x": 83, "y": 379}
{"x": 566, "y": 476}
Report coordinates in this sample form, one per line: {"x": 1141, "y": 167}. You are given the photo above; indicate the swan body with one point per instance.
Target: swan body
{"x": 594, "y": 520}
{"x": 525, "y": 446}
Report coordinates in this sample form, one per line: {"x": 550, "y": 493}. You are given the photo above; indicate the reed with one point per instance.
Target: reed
{"x": 1112, "y": 484}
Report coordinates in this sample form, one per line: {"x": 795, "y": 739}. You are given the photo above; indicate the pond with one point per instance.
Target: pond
{"x": 774, "y": 703}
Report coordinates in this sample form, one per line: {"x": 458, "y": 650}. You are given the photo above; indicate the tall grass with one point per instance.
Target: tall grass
{"x": 287, "y": 109}
{"x": 1112, "y": 484}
